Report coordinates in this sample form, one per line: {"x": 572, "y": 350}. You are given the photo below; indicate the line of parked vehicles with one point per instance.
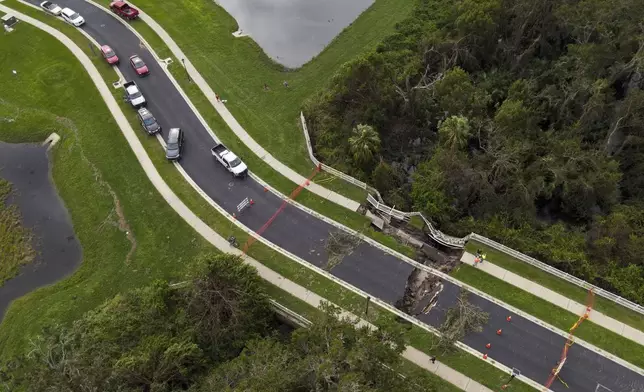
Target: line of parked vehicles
{"x": 133, "y": 94}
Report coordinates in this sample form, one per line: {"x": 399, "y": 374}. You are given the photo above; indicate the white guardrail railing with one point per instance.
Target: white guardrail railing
{"x": 560, "y": 274}
{"x": 328, "y": 168}
{"x": 459, "y": 243}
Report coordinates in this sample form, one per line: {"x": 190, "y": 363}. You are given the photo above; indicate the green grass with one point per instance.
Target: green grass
{"x": 237, "y": 69}
{"x": 15, "y": 240}
{"x": 552, "y": 314}
{"x": 574, "y": 292}
{"x": 90, "y": 159}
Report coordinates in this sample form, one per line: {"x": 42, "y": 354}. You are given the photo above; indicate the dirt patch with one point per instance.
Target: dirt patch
{"x": 421, "y": 293}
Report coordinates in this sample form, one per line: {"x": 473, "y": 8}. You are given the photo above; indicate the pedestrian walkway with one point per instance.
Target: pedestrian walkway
{"x": 417, "y": 357}
{"x": 234, "y": 124}
{"x": 555, "y": 298}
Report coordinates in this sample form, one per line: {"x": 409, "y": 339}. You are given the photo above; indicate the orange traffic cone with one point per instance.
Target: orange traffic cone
{"x": 265, "y": 189}
{"x": 484, "y": 356}
{"x": 307, "y": 183}
{"x": 488, "y": 345}
{"x": 499, "y": 332}
{"x": 252, "y": 202}
{"x": 234, "y": 216}
{"x": 509, "y": 318}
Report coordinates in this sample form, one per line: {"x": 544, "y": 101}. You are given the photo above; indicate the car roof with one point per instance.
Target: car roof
{"x": 68, "y": 11}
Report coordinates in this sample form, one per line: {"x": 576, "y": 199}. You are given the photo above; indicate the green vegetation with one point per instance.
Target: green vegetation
{"x": 574, "y": 292}
{"x": 552, "y": 314}
{"x": 90, "y": 161}
{"x": 518, "y": 120}
{"x": 237, "y": 69}
{"x": 214, "y": 332}
{"x": 15, "y": 240}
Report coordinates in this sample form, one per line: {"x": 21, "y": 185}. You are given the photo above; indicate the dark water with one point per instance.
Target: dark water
{"x": 292, "y": 32}
{"x": 26, "y": 167}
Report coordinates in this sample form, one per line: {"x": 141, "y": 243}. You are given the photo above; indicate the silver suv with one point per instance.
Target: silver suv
{"x": 174, "y": 144}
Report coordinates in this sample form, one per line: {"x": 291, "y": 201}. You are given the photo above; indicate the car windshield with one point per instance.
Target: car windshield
{"x": 135, "y": 95}
{"x": 109, "y": 53}
{"x": 138, "y": 63}
{"x": 48, "y": 5}
{"x": 74, "y": 16}
{"x": 173, "y": 146}
{"x": 149, "y": 121}
{"x": 235, "y": 162}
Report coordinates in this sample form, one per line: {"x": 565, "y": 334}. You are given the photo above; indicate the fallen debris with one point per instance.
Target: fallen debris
{"x": 339, "y": 245}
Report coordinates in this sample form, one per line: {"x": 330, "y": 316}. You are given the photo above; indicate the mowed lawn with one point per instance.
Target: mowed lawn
{"x": 52, "y": 93}
{"x": 15, "y": 240}
{"x": 237, "y": 68}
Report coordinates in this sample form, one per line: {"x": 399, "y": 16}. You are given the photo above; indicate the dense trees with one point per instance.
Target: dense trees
{"x": 513, "y": 117}
{"x": 212, "y": 333}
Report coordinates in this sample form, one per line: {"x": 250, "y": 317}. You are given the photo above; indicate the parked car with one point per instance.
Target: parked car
{"x": 230, "y": 161}
{"x": 174, "y": 144}
{"x": 139, "y": 66}
{"x": 124, "y": 10}
{"x": 133, "y": 94}
{"x": 109, "y": 55}
{"x": 148, "y": 122}
{"x": 51, "y": 8}
{"x": 72, "y": 17}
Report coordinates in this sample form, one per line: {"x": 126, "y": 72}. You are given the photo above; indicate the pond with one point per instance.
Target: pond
{"x": 292, "y": 32}
{"x": 27, "y": 168}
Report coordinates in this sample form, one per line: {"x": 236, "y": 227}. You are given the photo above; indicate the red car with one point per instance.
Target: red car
{"x": 139, "y": 66}
{"x": 124, "y": 10}
{"x": 109, "y": 55}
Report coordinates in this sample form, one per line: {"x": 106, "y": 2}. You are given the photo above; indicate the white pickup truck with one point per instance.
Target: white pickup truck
{"x": 229, "y": 160}
{"x": 133, "y": 95}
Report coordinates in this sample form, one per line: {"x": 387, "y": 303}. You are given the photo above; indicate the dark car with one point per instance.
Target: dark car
{"x": 148, "y": 122}
{"x": 174, "y": 144}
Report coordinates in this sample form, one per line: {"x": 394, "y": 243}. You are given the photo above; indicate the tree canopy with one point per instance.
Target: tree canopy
{"x": 212, "y": 333}
{"x": 529, "y": 114}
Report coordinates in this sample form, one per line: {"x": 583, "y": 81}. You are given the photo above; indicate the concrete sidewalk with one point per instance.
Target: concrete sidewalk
{"x": 555, "y": 298}
{"x": 234, "y": 124}
{"x": 412, "y": 354}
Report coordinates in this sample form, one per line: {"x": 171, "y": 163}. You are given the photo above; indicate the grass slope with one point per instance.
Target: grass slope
{"x": 237, "y": 69}
{"x": 15, "y": 240}
{"x": 574, "y": 292}
{"x": 91, "y": 159}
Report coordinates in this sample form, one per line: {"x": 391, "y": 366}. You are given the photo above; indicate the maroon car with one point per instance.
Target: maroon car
{"x": 124, "y": 10}
{"x": 109, "y": 55}
{"x": 139, "y": 66}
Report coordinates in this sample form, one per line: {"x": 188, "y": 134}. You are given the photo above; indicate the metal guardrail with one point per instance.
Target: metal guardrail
{"x": 560, "y": 274}
{"x": 331, "y": 170}
{"x": 434, "y": 233}
{"x": 459, "y": 243}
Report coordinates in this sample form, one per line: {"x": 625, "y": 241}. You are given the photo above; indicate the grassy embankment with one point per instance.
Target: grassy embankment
{"x": 574, "y": 292}
{"x": 15, "y": 241}
{"x": 22, "y": 315}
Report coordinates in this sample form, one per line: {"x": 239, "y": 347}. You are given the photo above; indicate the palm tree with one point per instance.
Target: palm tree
{"x": 364, "y": 143}
{"x": 454, "y": 132}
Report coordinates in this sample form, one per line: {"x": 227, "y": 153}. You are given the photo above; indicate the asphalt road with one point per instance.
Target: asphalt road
{"x": 523, "y": 344}
{"x": 26, "y": 167}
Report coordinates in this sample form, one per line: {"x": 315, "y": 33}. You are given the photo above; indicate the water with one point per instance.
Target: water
{"x": 292, "y": 32}
{"x": 26, "y": 167}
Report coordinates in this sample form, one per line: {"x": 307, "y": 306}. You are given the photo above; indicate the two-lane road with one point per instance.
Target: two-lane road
{"x": 524, "y": 345}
